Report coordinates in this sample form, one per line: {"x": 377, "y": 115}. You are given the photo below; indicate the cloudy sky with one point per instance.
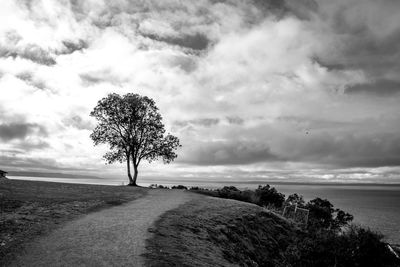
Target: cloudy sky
{"x": 289, "y": 90}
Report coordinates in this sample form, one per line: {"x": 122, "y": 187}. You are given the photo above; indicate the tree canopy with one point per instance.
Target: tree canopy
{"x": 132, "y": 127}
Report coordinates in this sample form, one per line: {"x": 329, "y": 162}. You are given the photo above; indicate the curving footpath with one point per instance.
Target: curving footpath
{"x": 111, "y": 237}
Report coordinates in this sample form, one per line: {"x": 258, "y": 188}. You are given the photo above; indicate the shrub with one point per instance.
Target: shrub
{"x": 179, "y": 187}
{"x": 158, "y": 186}
{"x": 329, "y": 239}
{"x": 232, "y": 192}
{"x": 295, "y": 199}
{"x": 268, "y": 195}
{"x": 355, "y": 247}
{"x": 323, "y": 215}
{"x": 263, "y": 196}
{"x": 204, "y": 191}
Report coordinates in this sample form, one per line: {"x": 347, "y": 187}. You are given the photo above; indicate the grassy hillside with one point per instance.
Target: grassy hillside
{"x": 219, "y": 232}
{"x": 31, "y": 208}
{"x": 223, "y": 232}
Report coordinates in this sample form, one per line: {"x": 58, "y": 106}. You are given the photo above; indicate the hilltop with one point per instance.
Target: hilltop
{"x": 191, "y": 229}
{"x": 30, "y": 209}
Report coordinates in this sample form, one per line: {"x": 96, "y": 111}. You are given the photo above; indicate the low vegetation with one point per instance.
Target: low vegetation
{"x": 31, "y": 208}
{"x": 248, "y": 235}
{"x": 219, "y": 232}
{"x": 262, "y": 196}
{"x": 204, "y": 232}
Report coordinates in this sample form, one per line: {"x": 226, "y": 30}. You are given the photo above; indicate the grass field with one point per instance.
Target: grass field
{"x": 219, "y": 232}
{"x": 206, "y": 231}
{"x": 211, "y": 231}
{"x": 31, "y": 208}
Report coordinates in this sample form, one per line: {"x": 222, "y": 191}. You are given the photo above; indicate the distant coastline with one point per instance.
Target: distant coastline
{"x": 195, "y": 181}
{"x": 257, "y": 182}
{"x": 51, "y": 175}
{"x": 263, "y": 182}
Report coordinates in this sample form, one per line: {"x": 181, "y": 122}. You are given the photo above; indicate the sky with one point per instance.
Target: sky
{"x": 268, "y": 90}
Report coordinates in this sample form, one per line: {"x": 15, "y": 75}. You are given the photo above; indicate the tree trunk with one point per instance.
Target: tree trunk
{"x": 128, "y": 165}
{"x": 135, "y": 175}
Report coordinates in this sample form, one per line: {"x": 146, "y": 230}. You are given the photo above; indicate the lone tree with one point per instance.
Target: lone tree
{"x": 131, "y": 125}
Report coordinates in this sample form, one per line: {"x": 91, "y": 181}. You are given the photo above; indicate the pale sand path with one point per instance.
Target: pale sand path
{"x": 111, "y": 237}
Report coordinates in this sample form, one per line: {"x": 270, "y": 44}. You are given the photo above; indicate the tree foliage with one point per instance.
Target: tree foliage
{"x": 132, "y": 127}
{"x": 295, "y": 199}
{"x": 356, "y": 246}
{"x": 269, "y": 196}
{"x": 324, "y": 215}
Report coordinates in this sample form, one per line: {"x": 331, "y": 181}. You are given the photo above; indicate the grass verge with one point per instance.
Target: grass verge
{"x": 31, "y": 208}
{"x": 219, "y": 232}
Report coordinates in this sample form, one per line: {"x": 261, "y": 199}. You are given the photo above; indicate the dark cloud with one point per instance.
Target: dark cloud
{"x": 31, "y": 52}
{"x": 228, "y": 153}
{"x": 196, "y": 41}
{"x": 349, "y": 150}
{"x": 32, "y": 163}
{"x": 377, "y": 88}
{"x": 28, "y": 145}
{"x": 328, "y": 65}
{"x": 12, "y": 37}
{"x": 302, "y": 9}
{"x": 188, "y": 64}
{"x": 377, "y": 57}
{"x": 235, "y": 120}
{"x": 308, "y": 124}
{"x": 70, "y": 46}
{"x": 78, "y": 122}
{"x": 90, "y": 78}
{"x": 206, "y": 122}
{"x": 323, "y": 149}
{"x": 364, "y": 44}
{"x": 78, "y": 9}
{"x": 21, "y": 130}
{"x": 29, "y": 79}
{"x": 21, "y": 162}
{"x": 101, "y": 76}
{"x": 96, "y": 77}
{"x": 272, "y": 6}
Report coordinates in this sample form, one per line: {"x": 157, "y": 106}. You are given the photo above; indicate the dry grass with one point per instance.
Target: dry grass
{"x": 30, "y": 208}
{"x": 219, "y": 232}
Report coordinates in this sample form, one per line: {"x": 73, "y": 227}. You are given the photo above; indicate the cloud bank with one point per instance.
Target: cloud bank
{"x": 290, "y": 90}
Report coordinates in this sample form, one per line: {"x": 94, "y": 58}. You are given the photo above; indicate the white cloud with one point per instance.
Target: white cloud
{"x": 279, "y": 75}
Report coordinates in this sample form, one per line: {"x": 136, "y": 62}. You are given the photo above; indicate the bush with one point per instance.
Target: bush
{"x": 323, "y": 215}
{"x": 158, "y": 186}
{"x": 268, "y": 195}
{"x": 295, "y": 199}
{"x": 263, "y": 196}
{"x": 179, "y": 187}
{"x": 355, "y": 247}
{"x": 204, "y": 191}
{"x": 232, "y": 192}
{"x": 328, "y": 240}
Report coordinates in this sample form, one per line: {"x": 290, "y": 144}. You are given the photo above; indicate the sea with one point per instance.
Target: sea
{"x": 376, "y": 206}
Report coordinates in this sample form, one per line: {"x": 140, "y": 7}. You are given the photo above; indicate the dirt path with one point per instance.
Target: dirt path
{"x": 111, "y": 237}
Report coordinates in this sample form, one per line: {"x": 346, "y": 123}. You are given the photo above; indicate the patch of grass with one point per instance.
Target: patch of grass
{"x": 223, "y": 232}
{"x": 31, "y": 208}
{"x": 264, "y": 196}
{"x": 219, "y": 232}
